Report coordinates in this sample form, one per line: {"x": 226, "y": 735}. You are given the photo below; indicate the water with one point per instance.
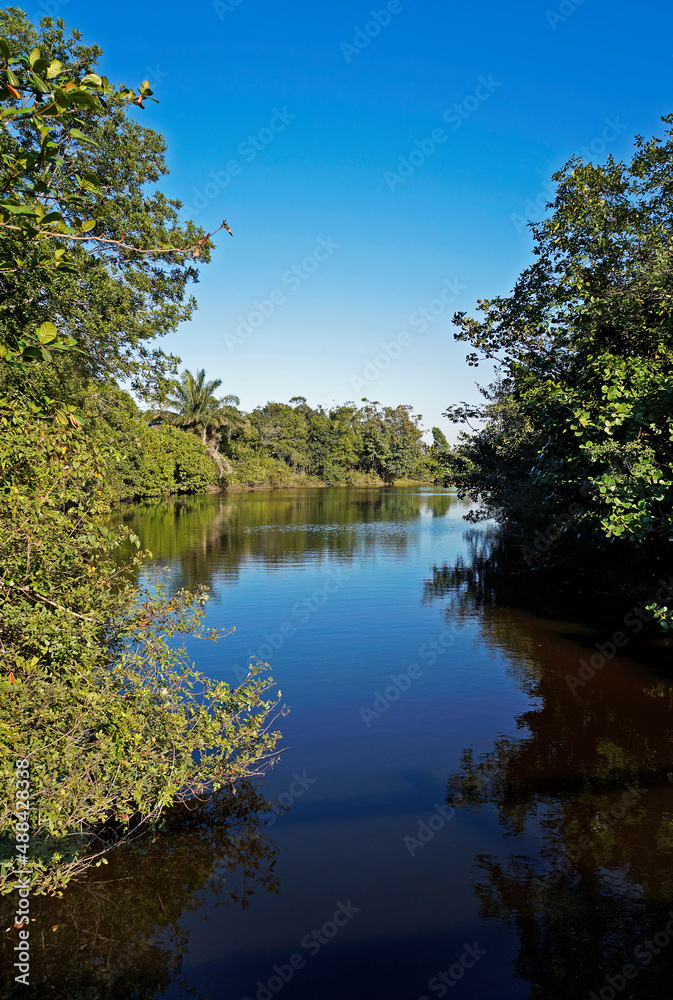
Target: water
{"x": 448, "y": 793}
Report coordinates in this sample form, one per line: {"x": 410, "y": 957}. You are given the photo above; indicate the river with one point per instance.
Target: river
{"x": 459, "y": 816}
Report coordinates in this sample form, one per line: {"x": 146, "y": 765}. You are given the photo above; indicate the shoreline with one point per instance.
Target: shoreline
{"x": 267, "y": 487}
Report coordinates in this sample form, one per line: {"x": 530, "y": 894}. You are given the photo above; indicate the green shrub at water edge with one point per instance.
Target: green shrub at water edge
{"x": 115, "y": 722}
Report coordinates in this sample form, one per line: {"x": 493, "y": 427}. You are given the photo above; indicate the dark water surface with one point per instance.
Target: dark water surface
{"x": 449, "y": 794}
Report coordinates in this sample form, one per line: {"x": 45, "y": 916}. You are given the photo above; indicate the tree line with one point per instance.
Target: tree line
{"x": 572, "y": 449}
{"x": 277, "y": 444}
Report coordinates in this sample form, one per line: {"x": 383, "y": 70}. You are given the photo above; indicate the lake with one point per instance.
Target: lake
{"x": 461, "y": 814}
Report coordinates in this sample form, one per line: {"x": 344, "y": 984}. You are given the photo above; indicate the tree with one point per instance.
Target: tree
{"x": 391, "y": 440}
{"x": 282, "y": 430}
{"x": 195, "y": 407}
{"x": 108, "y": 718}
{"x": 584, "y": 346}
{"x": 89, "y": 254}
{"x": 114, "y": 720}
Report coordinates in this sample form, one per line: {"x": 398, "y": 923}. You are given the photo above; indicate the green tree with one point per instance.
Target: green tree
{"x": 90, "y": 254}
{"x": 112, "y": 722}
{"x": 193, "y": 404}
{"x": 282, "y": 432}
{"x": 584, "y": 346}
{"x": 391, "y": 440}
{"x": 115, "y": 722}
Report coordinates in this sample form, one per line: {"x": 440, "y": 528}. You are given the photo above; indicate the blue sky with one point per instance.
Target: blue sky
{"x": 375, "y": 168}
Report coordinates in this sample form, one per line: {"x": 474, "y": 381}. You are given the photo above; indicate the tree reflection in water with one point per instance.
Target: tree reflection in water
{"x": 120, "y": 932}
{"x": 206, "y": 539}
{"x": 601, "y": 885}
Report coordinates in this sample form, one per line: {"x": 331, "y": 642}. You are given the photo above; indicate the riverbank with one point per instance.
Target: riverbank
{"x": 307, "y": 483}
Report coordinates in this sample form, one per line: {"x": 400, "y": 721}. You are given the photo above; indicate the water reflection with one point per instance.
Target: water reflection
{"x": 591, "y": 777}
{"x": 564, "y": 827}
{"x": 120, "y": 932}
{"x": 207, "y": 539}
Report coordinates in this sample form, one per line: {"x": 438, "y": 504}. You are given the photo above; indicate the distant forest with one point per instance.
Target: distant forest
{"x": 197, "y": 440}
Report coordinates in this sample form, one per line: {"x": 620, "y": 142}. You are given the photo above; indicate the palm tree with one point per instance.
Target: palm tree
{"x": 195, "y": 407}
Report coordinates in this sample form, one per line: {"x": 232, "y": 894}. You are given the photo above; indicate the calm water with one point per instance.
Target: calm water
{"x": 449, "y": 795}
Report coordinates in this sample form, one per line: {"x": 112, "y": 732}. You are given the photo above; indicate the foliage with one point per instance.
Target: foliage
{"x": 193, "y": 469}
{"x": 193, "y": 405}
{"x": 262, "y": 470}
{"x": 88, "y": 254}
{"x": 584, "y": 348}
{"x": 117, "y": 725}
{"x": 146, "y": 462}
{"x": 345, "y": 444}
{"x": 391, "y": 440}
{"x": 293, "y": 444}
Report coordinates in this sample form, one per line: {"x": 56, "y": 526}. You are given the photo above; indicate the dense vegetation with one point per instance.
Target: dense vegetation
{"x": 575, "y": 450}
{"x": 286, "y": 444}
{"x": 110, "y": 722}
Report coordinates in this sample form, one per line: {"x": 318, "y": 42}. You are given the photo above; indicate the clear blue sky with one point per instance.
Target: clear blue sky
{"x": 279, "y": 118}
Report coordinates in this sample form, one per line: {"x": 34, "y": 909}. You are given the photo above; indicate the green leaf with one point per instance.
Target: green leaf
{"x": 18, "y": 209}
{"x": 84, "y": 100}
{"x": 76, "y": 134}
{"x": 55, "y": 67}
{"x": 39, "y": 84}
{"x": 32, "y": 352}
{"x": 34, "y": 56}
{"x": 47, "y": 332}
{"x": 88, "y": 225}
{"x": 4, "y": 49}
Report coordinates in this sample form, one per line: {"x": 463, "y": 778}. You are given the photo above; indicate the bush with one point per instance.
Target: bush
{"x": 114, "y": 723}
{"x": 193, "y": 470}
{"x": 262, "y": 470}
{"x": 147, "y": 462}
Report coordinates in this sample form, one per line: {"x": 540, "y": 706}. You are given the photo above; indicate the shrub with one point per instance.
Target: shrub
{"x": 115, "y": 724}
{"x": 261, "y": 470}
{"x": 147, "y": 462}
{"x": 193, "y": 470}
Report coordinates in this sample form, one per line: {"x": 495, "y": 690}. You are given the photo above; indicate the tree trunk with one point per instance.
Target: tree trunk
{"x": 222, "y": 463}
